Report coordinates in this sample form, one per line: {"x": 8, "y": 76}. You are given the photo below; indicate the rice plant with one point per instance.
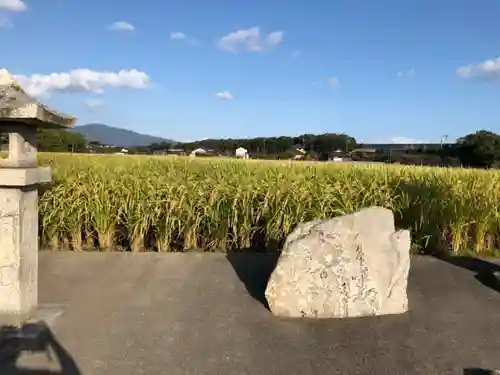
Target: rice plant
{"x": 142, "y": 203}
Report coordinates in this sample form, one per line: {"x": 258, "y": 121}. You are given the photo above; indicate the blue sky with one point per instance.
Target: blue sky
{"x": 379, "y": 71}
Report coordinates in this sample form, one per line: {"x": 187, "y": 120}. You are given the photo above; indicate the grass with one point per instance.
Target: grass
{"x": 178, "y": 204}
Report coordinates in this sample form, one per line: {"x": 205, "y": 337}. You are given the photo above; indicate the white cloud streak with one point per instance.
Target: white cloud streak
{"x": 13, "y": 5}
{"x": 407, "y": 73}
{"x": 333, "y": 81}
{"x": 177, "y": 35}
{"x": 82, "y": 80}
{"x": 93, "y": 104}
{"x": 488, "y": 70}
{"x": 180, "y": 36}
{"x": 121, "y": 26}
{"x": 249, "y": 40}
{"x": 10, "y": 6}
{"x": 224, "y": 95}
{"x": 5, "y": 23}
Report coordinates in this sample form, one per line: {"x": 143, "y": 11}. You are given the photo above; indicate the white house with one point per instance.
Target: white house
{"x": 198, "y": 151}
{"x": 241, "y": 153}
{"x": 300, "y": 153}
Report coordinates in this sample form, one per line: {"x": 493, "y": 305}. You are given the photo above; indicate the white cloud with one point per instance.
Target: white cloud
{"x": 406, "y": 140}
{"x": 10, "y": 6}
{"x": 224, "y": 95}
{"x": 177, "y": 35}
{"x": 82, "y": 80}
{"x": 121, "y": 26}
{"x": 180, "y": 36}
{"x": 486, "y": 70}
{"x": 5, "y": 23}
{"x": 193, "y": 140}
{"x": 94, "y": 104}
{"x": 274, "y": 38}
{"x": 333, "y": 81}
{"x": 407, "y": 73}
{"x": 13, "y": 5}
{"x": 249, "y": 40}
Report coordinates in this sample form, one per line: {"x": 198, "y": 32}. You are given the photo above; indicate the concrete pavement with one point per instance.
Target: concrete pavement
{"x": 190, "y": 314}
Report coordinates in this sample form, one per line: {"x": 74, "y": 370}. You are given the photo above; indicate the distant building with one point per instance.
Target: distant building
{"x": 175, "y": 151}
{"x": 386, "y": 147}
{"x": 364, "y": 150}
{"x": 241, "y": 153}
{"x": 338, "y": 155}
{"x": 203, "y": 152}
{"x": 299, "y": 153}
{"x": 198, "y": 151}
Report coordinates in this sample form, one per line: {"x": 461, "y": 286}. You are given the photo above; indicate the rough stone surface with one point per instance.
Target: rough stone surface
{"x": 350, "y": 266}
{"x": 18, "y": 253}
{"x": 16, "y": 107}
{"x": 20, "y": 116}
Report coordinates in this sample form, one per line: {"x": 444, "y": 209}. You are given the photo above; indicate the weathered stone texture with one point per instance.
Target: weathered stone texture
{"x": 19, "y": 251}
{"x": 350, "y": 266}
{"x": 20, "y": 116}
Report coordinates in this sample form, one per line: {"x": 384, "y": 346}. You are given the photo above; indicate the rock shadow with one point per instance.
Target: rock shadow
{"x": 487, "y": 273}
{"x": 254, "y": 271}
{"x": 35, "y": 338}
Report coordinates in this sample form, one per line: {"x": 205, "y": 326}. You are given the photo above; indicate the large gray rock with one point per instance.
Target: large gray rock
{"x": 350, "y": 266}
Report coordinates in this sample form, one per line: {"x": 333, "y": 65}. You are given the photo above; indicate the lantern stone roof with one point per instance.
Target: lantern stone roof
{"x": 17, "y": 107}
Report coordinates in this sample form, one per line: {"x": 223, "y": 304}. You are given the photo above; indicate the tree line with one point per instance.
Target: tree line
{"x": 317, "y": 146}
{"x": 480, "y": 149}
{"x": 55, "y": 140}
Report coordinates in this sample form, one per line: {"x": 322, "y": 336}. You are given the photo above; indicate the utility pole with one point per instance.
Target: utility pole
{"x": 443, "y": 139}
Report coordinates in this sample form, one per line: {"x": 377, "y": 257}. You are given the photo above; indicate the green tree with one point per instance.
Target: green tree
{"x": 480, "y": 149}
{"x": 59, "y": 140}
{"x": 322, "y": 144}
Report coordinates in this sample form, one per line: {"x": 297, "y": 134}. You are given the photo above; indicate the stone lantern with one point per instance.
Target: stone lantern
{"x": 20, "y": 117}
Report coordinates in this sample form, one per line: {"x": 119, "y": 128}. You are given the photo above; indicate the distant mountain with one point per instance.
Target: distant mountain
{"x": 116, "y": 136}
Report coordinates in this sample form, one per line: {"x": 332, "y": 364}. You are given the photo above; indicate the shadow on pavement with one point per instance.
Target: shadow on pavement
{"x": 479, "y": 371}
{"x": 34, "y": 338}
{"x": 254, "y": 270}
{"x": 486, "y": 273}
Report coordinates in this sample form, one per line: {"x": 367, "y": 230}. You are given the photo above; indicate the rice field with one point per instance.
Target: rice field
{"x": 141, "y": 203}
